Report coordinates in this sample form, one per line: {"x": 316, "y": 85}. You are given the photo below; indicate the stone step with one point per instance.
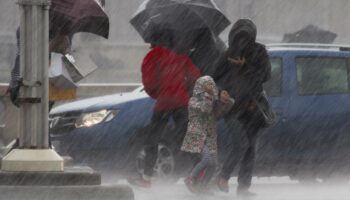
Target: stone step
{"x": 68, "y": 161}
{"x": 98, "y": 192}
{"x": 72, "y": 175}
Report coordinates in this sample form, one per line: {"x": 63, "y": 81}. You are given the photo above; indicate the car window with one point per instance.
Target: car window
{"x": 317, "y": 76}
{"x": 274, "y": 86}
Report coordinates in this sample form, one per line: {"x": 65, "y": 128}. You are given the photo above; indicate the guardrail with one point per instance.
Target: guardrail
{"x": 9, "y": 120}
{"x": 92, "y": 89}
{"x": 310, "y": 45}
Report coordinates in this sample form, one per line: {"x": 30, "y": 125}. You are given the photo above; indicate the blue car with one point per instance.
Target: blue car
{"x": 309, "y": 92}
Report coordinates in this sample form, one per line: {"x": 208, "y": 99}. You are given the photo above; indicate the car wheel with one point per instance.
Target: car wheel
{"x": 164, "y": 169}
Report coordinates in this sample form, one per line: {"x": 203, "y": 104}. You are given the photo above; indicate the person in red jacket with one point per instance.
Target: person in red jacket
{"x": 168, "y": 77}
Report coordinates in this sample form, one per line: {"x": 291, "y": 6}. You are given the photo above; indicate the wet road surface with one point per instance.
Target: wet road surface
{"x": 266, "y": 188}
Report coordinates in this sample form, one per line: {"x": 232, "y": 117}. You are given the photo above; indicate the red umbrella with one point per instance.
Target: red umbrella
{"x": 72, "y": 16}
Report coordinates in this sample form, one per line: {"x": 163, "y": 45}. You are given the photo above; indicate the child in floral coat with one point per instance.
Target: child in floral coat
{"x": 201, "y": 136}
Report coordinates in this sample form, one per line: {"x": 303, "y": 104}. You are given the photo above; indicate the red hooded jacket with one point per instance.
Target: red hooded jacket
{"x": 167, "y": 77}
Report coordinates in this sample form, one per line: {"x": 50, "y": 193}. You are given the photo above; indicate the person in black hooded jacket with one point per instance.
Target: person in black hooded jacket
{"x": 241, "y": 72}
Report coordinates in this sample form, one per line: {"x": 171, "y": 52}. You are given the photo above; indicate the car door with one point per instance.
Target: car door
{"x": 319, "y": 108}
{"x": 277, "y": 89}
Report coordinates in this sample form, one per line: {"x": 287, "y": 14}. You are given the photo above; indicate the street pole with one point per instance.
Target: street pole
{"x": 34, "y": 64}
{"x": 34, "y": 153}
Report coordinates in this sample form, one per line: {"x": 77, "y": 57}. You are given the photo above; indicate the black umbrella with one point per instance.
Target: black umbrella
{"x": 180, "y": 15}
{"x": 72, "y": 16}
{"x": 310, "y": 34}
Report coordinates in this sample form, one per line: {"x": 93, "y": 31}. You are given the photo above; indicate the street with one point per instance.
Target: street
{"x": 266, "y": 188}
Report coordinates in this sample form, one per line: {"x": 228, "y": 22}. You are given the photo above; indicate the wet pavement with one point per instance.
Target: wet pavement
{"x": 266, "y": 189}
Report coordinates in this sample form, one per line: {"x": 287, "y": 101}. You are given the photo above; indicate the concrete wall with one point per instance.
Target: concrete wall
{"x": 277, "y": 17}
{"x": 122, "y": 54}
{"x": 274, "y": 18}
{"x": 339, "y": 17}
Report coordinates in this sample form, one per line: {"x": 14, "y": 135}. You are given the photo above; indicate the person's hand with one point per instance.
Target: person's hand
{"x": 224, "y": 97}
{"x": 60, "y": 44}
{"x": 237, "y": 60}
{"x": 209, "y": 90}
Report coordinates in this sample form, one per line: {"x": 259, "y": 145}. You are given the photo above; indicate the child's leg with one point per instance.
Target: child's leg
{"x": 198, "y": 168}
{"x": 206, "y": 165}
{"x": 211, "y": 160}
{"x": 191, "y": 180}
{"x": 202, "y": 164}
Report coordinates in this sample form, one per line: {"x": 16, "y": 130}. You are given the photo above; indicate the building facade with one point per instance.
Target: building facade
{"x": 119, "y": 58}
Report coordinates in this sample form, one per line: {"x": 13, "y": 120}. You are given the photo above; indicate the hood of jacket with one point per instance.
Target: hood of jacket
{"x": 242, "y": 37}
{"x": 202, "y": 83}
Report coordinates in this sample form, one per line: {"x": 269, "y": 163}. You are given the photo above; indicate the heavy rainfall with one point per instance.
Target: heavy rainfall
{"x": 174, "y": 99}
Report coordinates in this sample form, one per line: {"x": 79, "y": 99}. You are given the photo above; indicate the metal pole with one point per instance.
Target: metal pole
{"x": 34, "y": 70}
{"x": 22, "y": 59}
{"x": 34, "y": 153}
{"x": 45, "y": 77}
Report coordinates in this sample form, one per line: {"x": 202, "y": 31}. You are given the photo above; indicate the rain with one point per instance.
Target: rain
{"x": 91, "y": 120}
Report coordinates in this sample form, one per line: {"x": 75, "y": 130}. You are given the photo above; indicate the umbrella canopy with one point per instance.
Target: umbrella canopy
{"x": 180, "y": 15}
{"x": 72, "y": 16}
{"x": 310, "y": 34}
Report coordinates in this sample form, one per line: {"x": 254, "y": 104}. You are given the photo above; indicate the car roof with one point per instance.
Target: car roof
{"x": 308, "y": 47}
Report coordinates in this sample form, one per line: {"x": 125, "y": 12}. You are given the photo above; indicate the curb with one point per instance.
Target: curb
{"x": 100, "y": 192}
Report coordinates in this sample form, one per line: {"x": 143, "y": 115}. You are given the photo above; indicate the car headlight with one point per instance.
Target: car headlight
{"x": 91, "y": 119}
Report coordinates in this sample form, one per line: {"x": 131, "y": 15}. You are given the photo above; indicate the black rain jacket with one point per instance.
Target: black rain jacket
{"x": 243, "y": 83}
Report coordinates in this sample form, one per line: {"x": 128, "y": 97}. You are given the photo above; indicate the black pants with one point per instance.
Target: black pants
{"x": 158, "y": 124}
{"x": 242, "y": 152}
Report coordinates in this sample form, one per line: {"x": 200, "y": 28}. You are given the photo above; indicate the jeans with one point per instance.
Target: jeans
{"x": 158, "y": 124}
{"x": 208, "y": 163}
{"x": 242, "y": 152}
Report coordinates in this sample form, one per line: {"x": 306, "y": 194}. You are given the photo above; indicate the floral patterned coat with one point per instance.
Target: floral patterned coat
{"x": 201, "y": 128}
